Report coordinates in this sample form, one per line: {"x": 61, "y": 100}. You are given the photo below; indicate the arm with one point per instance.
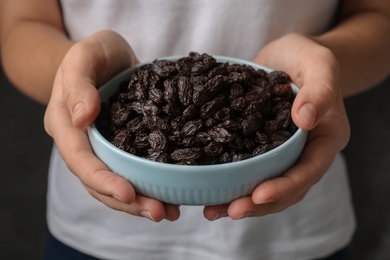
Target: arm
{"x": 347, "y": 59}
{"x": 40, "y": 59}
{"x": 33, "y": 42}
{"x": 361, "y": 43}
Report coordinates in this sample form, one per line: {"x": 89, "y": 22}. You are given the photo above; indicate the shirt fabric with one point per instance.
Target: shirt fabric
{"x": 320, "y": 224}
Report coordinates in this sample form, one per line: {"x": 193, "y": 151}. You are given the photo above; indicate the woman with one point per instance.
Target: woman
{"x": 58, "y": 52}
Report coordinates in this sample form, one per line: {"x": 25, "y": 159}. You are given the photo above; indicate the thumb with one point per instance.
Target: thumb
{"x": 88, "y": 64}
{"x": 317, "y": 94}
{"x": 82, "y": 99}
{"x": 84, "y": 107}
{"x": 313, "y": 67}
{"x": 317, "y": 79}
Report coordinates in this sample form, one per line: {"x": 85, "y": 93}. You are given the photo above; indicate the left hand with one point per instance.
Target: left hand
{"x": 318, "y": 108}
{"x": 88, "y": 64}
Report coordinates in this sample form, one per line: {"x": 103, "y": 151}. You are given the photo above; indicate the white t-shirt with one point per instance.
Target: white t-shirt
{"x": 315, "y": 227}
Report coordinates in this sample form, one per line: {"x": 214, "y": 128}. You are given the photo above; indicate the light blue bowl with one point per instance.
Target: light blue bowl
{"x": 194, "y": 184}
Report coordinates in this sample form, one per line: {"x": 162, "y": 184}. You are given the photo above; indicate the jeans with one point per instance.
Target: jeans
{"x": 56, "y": 250}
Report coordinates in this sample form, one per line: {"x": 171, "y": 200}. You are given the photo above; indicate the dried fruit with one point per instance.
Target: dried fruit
{"x": 157, "y": 141}
{"x": 220, "y": 135}
{"x": 186, "y": 154}
{"x": 196, "y": 110}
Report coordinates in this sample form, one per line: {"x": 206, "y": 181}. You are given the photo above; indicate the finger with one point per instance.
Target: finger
{"x": 76, "y": 150}
{"x": 89, "y": 169}
{"x": 142, "y": 206}
{"x": 77, "y": 80}
{"x": 215, "y": 212}
{"x": 318, "y": 89}
{"x": 82, "y": 100}
{"x": 244, "y": 207}
{"x": 172, "y": 212}
{"x": 279, "y": 192}
{"x": 281, "y": 189}
{"x": 312, "y": 67}
{"x": 241, "y": 208}
{"x": 293, "y": 185}
{"x": 87, "y": 65}
{"x": 315, "y": 160}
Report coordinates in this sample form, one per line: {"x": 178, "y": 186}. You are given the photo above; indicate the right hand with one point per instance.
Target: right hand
{"x": 315, "y": 69}
{"x": 75, "y": 103}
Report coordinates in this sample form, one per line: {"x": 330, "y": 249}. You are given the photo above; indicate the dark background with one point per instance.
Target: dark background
{"x": 25, "y": 150}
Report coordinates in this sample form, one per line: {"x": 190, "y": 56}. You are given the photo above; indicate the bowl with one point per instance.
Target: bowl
{"x": 194, "y": 184}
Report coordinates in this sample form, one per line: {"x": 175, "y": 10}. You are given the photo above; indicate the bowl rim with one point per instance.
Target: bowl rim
{"x": 92, "y": 130}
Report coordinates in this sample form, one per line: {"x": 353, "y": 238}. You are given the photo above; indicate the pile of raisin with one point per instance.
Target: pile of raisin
{"x": 198, "y": 111}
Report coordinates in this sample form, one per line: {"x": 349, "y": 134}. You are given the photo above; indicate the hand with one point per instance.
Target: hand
{"x": 73, "y": 106}
{"x": 318, "y": 107}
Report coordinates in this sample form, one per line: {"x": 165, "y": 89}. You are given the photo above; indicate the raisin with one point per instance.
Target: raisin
{"x": 240, "y": 156}
{"x": 172, "y": 109}
{"x": 280, "y": 136}
{"x": 225, "y": 158}
{"x": 183, "y": 66}
{"x": 203, "y": 138}
{"x": 199, "y": 95}
{"x": 196, "y": 110}
{"x": 213, "y": 149}
{"x": 184, "y": 90}
{"x": 236, "y": 91}
{"x": 216, "y": 84}
{"x": 135, "y": 124}
{"x": 219, "y": 70}
{"x": 156, "y": 95}
{"x": 174, "y": 136}
{"x": 150, "y": 108}
{"x": 220, "y": 134}
{"x": 119, "y": 117}
{"x": 251, "y": 123}
{"x": 209, "y": 108}
{"x": 158, "y": 156}
{"x": 192, "y": 127}
{"x": 122, "y": 140}
{"x": 189, "y": 112}
{"x": 186, "y": 154}
{"x": 261, "y": 149}
{"x": 162, "y": 124}
{"x": 261, "y": 138}
{"x": 278, "y": 77}
{"x": 255, "y": 101}
{"x": 139, "y": 91}
{"x": 141, "y": 141}
{"x": 188, "y": 141}
{"x": 283, "y": 118}
{"x": 157, "y": 141}
{"x": 239, "y": 104}
{"x": 283, "y": 90}
{"x": 230, "y": 125}
{"x": 170, "y": 91}
{"x": 210, "y": 122}
{"x": 236, "y": 143}
{"x": 223, "y": 114}
{"x": 164, "y": 68}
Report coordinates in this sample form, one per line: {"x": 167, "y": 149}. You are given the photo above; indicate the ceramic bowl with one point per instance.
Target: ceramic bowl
{"x": 194, "y": 184}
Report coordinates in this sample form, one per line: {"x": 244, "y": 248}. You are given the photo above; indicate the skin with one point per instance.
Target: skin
{"x": 42, "y": 62}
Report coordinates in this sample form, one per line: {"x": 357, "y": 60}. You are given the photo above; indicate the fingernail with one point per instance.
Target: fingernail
{"x": 78, "y": 109}
{"x": 146, "y": 214}
{"x": 117, "y": 198}
{"x": 308, "y": 114}
{"x": 263, "y": 201}
{"x": 221, "y": 214}
{"x": 247, "y": 214}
